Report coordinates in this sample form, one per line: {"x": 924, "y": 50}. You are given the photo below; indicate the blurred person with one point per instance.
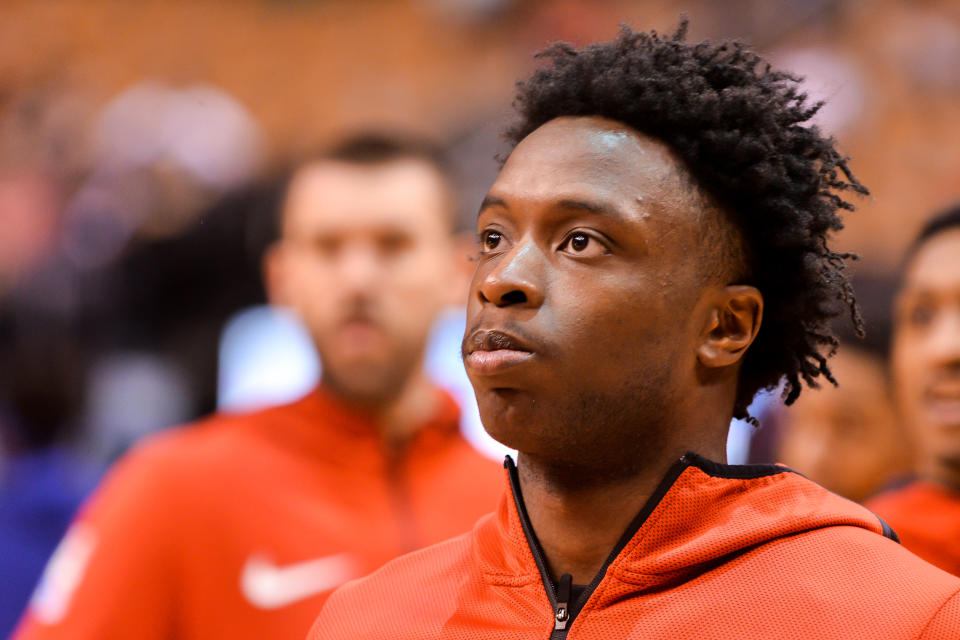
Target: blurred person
{"x": 43, "y": 479}
{"x": 653, "y": 252}
{"x": 847, "y": 438}
{"x": 926, "y": 378}
{"x": 43, "y": 362}
{"x": 240, "y": 526}
{"x": 29, "y": 212}
{"x": 159, "y": 314}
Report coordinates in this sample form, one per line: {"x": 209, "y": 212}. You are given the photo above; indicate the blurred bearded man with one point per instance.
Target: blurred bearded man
{"x": 240, "y": 526}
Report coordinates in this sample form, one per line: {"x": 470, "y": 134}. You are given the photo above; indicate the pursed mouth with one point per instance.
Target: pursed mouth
{"x": 362, "y": 322}
{"x": 493, "y": 340}
{"x": 490, "y": 351}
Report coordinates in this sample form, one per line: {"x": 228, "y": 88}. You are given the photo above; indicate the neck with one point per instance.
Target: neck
{"x": 398, "y": 416}
{"x": 941, "y": 473}
{"x": 399, "y": 420}
{"x": 579, "y": 515}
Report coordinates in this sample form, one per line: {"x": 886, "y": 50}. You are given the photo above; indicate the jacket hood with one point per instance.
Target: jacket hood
{"x": 702, "y": 514}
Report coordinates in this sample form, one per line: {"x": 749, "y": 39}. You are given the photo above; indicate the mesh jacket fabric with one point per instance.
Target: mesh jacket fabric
{"x": 927, "y": 517}
{"x": 241, "y": 526}
{"x": 726, "y": 552}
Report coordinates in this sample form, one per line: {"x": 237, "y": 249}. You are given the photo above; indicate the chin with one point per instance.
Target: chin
{"x": 498, "y": 420}
{"x": 364, "y": 387}
{"x": 511, "y": 418}
{"x": 502, "y": 433}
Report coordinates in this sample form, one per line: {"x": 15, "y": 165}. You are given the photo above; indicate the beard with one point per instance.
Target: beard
{"x": 371, "y": 382}
{"x": 600, "y": 434}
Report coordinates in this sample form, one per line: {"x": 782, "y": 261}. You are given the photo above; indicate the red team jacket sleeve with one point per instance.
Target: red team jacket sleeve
{"x": 946, "y": 622}
{"x": 112, "y": 576}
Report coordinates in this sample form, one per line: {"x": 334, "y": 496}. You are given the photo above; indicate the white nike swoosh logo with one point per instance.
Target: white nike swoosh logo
{"x": 268, "y": 586}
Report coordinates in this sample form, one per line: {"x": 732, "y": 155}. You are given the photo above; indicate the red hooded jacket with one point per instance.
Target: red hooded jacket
{"x": 717, "y": 552}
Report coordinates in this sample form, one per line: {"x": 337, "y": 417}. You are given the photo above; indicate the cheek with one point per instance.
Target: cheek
{"x": 414, "y": 289}
{"x": 424, "y": 270}
{"x": 312, "y": 288}
{"x": 614, "y": 324}
{"x": 907, "y": 369}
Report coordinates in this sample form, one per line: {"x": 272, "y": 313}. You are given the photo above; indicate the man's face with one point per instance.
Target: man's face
{"x": 579, "y": 338}
{"x": 926, "y": 355}
{"x": 846, "y": 438}
{"x": 366, "y": 260}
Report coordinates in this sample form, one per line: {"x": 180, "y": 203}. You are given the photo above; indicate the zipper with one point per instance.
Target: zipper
{"x": 562, "y": 613}
{"x": 559, "y": 594}
{"x": 400, "y": 499}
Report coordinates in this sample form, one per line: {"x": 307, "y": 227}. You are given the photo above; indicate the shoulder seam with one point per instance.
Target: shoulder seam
{"x": 946, "y": 601}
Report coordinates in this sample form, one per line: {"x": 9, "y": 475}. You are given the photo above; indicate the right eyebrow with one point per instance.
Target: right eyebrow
{"x": 491, "y": 201}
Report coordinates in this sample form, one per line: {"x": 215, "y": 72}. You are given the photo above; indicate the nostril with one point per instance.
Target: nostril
{"x": 513, "y": 297}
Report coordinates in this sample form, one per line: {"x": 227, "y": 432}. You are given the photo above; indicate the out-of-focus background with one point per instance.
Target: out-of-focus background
{"x": 139, "y": 144}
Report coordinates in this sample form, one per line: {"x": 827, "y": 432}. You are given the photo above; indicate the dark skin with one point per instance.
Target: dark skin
{"x": 604, "y": 334}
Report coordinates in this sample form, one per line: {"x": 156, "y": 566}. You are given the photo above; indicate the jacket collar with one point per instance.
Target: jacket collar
{"x": 702, "y": 513}
{"x": 323, "y": 426}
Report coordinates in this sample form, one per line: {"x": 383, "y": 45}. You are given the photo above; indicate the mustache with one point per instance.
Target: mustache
{"x": 360, "y": 312}
{"x": 477, "y": 338}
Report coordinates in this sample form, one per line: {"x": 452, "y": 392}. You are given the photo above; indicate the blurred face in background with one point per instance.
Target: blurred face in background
{"x": 28, "y": 223}
{"x": 366, "y": 259}
{"x": 846, "y": 438}
{"x": 926, "y": 356}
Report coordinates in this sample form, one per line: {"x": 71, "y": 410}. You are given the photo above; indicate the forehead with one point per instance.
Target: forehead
{"x": 936, "y": 265}
{"x": 329, "y": 194}
{"x": 598, "y": 158}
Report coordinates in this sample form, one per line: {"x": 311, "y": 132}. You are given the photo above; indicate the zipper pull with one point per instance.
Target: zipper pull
{"x": 562, "y": 615}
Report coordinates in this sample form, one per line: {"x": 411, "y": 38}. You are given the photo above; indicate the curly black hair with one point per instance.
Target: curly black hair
{"x": 743, "y": 131}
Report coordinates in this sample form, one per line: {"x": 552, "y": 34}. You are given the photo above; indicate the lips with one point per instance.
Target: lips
{"x": 489, "y": 352}
{"x": 358, "y": 331}
{"x": 358, "y": 336}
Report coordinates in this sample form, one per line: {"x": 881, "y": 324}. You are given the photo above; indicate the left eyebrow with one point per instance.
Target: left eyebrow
{"x": 598, "y": 208}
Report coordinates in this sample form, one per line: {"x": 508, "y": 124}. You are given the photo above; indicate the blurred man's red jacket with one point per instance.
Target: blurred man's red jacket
{"x": 242, "y": 525}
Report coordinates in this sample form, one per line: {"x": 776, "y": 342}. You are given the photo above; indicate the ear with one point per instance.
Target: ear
{"x": 463, "y": 263}
{"x": 275, "y": 274}
{"x": 733, "y": 320}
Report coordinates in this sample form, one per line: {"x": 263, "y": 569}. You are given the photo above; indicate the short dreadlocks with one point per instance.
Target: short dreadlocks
{"x": 743, "y": 131}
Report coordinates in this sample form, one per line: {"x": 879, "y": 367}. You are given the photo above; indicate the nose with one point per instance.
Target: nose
{"x": 943, "y": 341}
{"x": 359, "y": 267}
{"x": 516, "y": 279}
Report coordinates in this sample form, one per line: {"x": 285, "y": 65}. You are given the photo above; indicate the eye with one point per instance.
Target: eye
{"x": 394, "y": 243}
{"x": 581, "y": 243}
{"x": 326, "y": 246}
{"x": 920, "y": 315}
{"x": 490, "y": 240}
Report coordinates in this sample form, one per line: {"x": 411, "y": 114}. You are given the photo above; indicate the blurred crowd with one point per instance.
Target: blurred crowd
{"x": 145, "y": 151}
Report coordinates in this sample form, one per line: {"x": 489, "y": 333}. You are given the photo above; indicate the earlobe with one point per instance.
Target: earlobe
{"x": 732, "y": 323}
